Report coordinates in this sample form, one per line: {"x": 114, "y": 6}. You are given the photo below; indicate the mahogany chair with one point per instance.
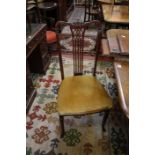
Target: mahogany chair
{"x": 80, "y": 94}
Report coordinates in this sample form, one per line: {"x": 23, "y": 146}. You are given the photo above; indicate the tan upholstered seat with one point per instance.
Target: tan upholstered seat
{"x": 82, "y": 95}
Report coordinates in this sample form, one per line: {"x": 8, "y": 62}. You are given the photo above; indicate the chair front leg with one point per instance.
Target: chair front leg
{"x": 62, "y": 126}
{"x": 105, "y": 119}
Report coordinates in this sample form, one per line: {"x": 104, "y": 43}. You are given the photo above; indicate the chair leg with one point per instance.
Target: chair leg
{"x": 84, "y": 17}
{"x": 105, "y": 119}
{"x": 89, "y": 17}
{"x": 62, "y": 126}
{"x": 85, "y": 14}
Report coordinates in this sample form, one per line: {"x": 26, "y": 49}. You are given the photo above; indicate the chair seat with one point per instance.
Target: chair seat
{"x": 51, "y": 37}
{"x": 82, "y": 95}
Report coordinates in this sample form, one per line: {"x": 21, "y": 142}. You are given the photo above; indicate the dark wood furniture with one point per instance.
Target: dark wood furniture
{"x": 65, "y": 8}
{"x": 116, "y": 13}
{"x": 81, "y": 94}
{"x": 47, "y": 5}
{"x": 57, "y": 9}
{"x": 49, "y": 11}
{"x": 36, "y": 49}
{"x": 115, "y": 16}
{"x": 44, "y": 10}
{"x": 105, "y": 1}
{"x": 105, "y": 51}
{"x": 32, "y": 13}
{"x": 91, "y": 10}
{"x": 123, "y": 2}
{"x": 30, "y": 90}
{"x": 118, "y": 40}
{"x": 70, "y": 7}
{"x": 37, "y": 56}
{"x": 122, "y": 75}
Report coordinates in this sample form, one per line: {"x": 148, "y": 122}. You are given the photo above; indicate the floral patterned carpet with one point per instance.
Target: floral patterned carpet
{"x": 84, "y": 134}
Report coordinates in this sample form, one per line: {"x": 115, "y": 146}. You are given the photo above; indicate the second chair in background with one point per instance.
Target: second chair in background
{"x": 91, "y": 10}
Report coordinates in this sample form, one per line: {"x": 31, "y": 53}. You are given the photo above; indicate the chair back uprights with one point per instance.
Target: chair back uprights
{"x": 78, "y": 33}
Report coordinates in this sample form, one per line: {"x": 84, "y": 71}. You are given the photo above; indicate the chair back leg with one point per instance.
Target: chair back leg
{"x": 105, "y": 119}
{"x": 62, "y": 126}
{"x": 85, "y": 15}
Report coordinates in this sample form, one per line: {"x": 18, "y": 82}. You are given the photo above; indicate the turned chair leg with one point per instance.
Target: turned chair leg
{"x": 62, "y": 126}
{"x": 105, "y": 119}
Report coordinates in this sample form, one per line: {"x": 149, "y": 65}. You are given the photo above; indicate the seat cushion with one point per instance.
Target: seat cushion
{"x": 82, "y": 95}
{"x": 51, "y": 37}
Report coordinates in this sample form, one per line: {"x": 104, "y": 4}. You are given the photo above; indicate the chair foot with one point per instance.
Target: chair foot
{"x": 62, "y": 126}
{"x": 105, "y": 119}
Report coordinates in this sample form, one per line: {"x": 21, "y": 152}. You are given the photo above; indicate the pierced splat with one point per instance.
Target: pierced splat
{"x": 78, "y": 31}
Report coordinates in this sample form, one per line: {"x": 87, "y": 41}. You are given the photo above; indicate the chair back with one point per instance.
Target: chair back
{"x": 78, "y": 34}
